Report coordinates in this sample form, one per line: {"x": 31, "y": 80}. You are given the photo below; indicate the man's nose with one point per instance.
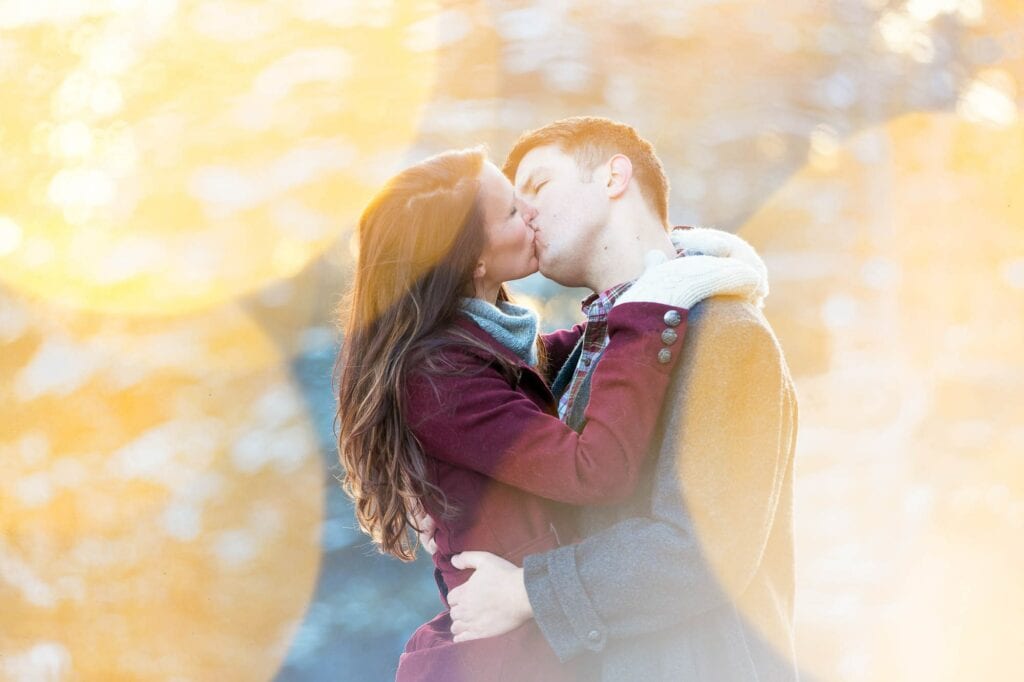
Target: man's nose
{"x": 529, "y": 212}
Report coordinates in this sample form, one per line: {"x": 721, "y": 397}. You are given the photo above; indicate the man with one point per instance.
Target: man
{"x": 692, "y": 578}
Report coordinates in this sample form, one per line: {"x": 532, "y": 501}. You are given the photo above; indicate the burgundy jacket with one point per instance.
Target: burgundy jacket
{"x": 496, "y": 447}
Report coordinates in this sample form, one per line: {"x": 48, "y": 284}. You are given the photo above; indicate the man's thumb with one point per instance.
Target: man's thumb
{"x": 466, "y": 560}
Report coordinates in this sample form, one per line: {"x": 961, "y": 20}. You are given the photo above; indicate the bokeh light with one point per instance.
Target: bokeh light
{"x": 165, "y": 157}
{"x": 894, "y": 297}
{"x": 170, "y": 523}
{"x": 179, "y": 186}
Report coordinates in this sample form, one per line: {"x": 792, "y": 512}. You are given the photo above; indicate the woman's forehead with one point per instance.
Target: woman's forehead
{"x": 495, "y": 189}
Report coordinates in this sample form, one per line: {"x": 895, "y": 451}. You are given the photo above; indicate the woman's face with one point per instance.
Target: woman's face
{"x": 509, "y": 253}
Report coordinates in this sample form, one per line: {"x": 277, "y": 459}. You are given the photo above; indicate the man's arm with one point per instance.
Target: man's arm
{"x": 713, "y": 504}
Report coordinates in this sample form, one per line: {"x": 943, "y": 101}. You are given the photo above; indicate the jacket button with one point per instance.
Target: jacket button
{"x": 664, "y": 356}
{"x": 669, "y": 336}
{"x": 673, "y": 318}
{"x": 593, "y": 635}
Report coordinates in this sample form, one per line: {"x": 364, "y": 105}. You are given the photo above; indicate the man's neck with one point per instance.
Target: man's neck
{"x": 619, "y": 253}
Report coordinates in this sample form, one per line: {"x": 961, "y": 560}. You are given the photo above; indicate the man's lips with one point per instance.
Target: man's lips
{"x": 537, "y": 241}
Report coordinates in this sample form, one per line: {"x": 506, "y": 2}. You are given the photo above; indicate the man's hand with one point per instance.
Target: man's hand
{"x": 492, "y": 602}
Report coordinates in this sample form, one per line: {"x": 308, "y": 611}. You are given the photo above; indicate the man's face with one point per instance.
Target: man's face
{"x": 571, "y": 207}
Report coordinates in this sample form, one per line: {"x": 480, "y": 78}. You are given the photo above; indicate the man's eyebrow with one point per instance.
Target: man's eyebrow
{"x": 530, "y": 185}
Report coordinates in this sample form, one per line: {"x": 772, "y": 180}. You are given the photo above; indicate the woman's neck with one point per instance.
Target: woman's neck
{"x": 487, "y": 291}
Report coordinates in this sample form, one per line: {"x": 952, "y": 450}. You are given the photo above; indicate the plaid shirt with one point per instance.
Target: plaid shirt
{"x": 595, "y": 339}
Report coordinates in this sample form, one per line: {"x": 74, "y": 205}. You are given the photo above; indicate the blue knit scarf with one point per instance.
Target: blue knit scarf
{"x": 511, "y": 325}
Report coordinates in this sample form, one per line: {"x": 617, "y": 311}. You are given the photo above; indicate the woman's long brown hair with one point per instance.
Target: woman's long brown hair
{"x": 419, "y": 241}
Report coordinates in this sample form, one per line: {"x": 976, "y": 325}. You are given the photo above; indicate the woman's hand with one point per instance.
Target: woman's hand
{"x": 685, "y": 281}
{"x": 704, "y": 241}
{"x": 676, "y": 282}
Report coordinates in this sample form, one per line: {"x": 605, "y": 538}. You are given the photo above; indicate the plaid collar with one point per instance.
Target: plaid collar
{"x": 599, "y": 305}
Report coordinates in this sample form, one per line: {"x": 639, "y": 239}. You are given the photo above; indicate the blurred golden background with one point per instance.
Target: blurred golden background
{"x": 179, "y": 183}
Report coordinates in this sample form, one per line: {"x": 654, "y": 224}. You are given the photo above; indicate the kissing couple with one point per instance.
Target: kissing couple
{"x": 608, "y": 502}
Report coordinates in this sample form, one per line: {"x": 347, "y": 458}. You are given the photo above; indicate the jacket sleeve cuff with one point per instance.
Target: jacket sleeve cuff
{"x": 650, "y": 334}
{"x": 561, "y": 607}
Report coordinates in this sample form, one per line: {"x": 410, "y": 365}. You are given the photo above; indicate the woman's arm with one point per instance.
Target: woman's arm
{"x": 480, "y": 422}
{"x": 559, "y": 345}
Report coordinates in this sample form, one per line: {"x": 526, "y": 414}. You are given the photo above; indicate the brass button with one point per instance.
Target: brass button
{"x": 664, "y": 356}
{"x": 673, "y": 318}
{"x": 669, "y": 336}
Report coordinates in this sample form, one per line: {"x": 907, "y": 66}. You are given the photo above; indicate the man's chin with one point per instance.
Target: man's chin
{"x": 558, "y": 272}
{"x": 552, "y": 275}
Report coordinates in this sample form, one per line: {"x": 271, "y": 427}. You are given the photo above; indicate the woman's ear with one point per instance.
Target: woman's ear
{"x": 620, "y": 172}
{"x": 480, "y": 270}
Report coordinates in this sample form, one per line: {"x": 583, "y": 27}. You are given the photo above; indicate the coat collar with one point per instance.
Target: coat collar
{"x": 463, "y": 322}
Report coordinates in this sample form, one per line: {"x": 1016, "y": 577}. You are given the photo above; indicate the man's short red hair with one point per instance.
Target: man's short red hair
{"x": 592, "y": 140}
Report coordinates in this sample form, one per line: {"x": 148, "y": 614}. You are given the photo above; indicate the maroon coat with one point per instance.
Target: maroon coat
{"x": 498, "y": 450}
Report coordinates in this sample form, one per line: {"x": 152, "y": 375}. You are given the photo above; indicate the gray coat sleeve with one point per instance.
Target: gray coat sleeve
{"x": 727, "y": 449}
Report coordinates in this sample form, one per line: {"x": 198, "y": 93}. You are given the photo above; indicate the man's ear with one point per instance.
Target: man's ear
{"x": 620, "y": 172}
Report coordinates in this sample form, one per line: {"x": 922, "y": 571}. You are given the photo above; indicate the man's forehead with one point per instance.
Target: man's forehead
{"x": 539, "y": 159}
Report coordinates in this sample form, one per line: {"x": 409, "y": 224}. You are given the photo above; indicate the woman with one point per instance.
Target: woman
{"x": 444, "y": 400}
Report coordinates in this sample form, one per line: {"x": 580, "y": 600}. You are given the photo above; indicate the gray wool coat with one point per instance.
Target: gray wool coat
{"x": 692, "y": 578}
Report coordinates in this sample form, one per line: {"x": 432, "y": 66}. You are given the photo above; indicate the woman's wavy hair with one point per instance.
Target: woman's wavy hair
{"x": 419, "y": 241}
